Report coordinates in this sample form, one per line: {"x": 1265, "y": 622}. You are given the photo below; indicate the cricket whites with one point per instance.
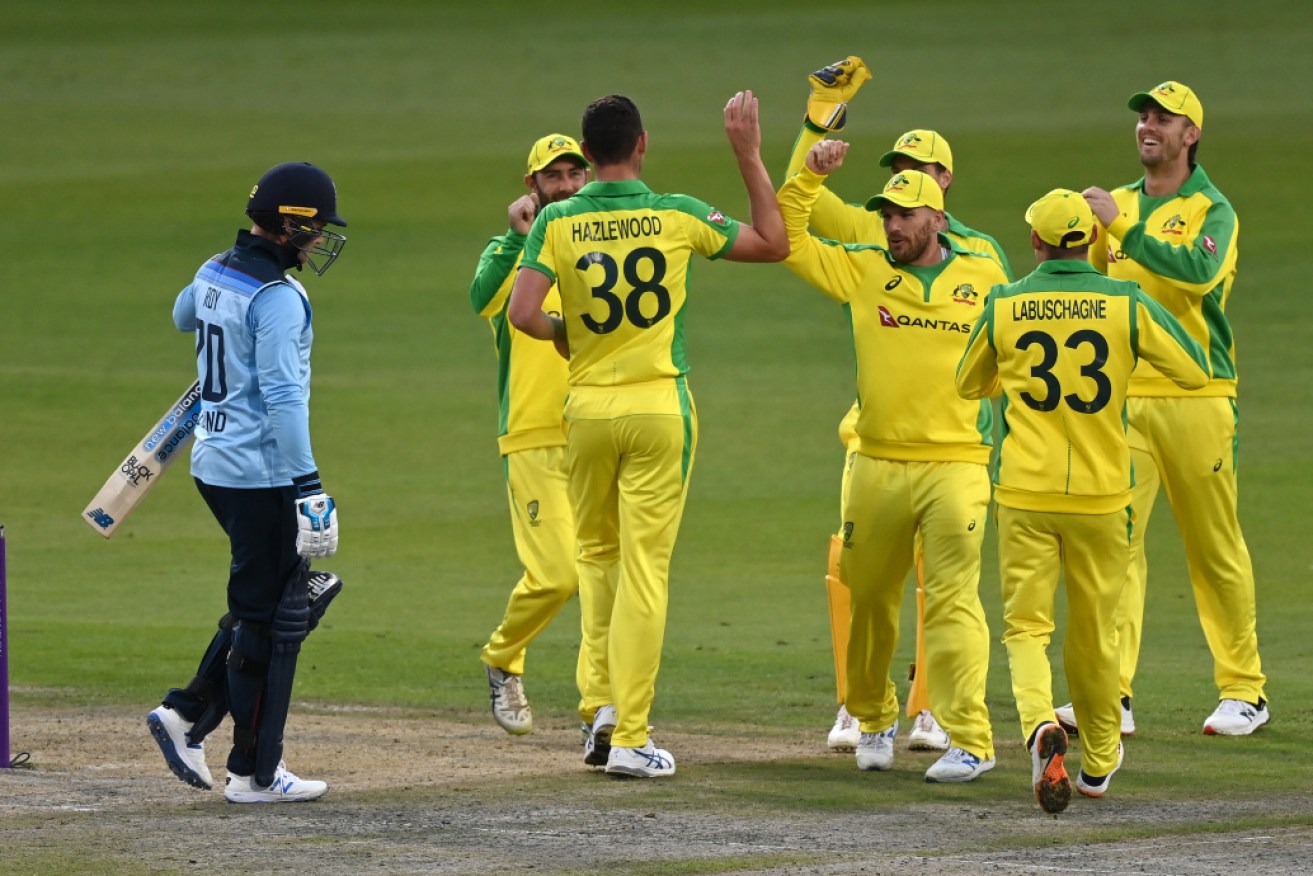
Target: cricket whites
{"x": 128, "y": 485}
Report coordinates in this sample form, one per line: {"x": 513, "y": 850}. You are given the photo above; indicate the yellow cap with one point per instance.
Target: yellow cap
{"x": 1062, "y": 218}
{"x": 552, "y": 147}
{"x": 1173, "y": 97}
{"x": 925, "y": 147}
{"x": 909, "y": 188}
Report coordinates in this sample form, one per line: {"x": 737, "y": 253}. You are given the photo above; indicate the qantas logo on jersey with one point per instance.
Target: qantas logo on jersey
{"x": 715, "y": 217}
{"x": 966, "y": 294}
{"x": 1210, "y": 244}
{"x": 888, "y": 320}
{"x": 1174, "y": 226}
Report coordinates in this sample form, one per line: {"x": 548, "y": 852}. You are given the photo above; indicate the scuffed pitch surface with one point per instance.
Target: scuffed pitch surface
{"x": 416, "y": 794}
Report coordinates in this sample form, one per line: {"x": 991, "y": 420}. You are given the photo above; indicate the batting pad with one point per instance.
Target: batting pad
{"x": 840, "y": 617}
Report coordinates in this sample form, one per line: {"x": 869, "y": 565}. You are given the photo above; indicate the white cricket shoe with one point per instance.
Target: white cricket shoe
{"x": 926, "y": 734}
{"x": 845, "y": 733}
{"x": 1092, "y": 787}
{"x": 597, "y": 747}
{"x": 1066, "y": 716}
{"x": 510, "y": 708}
{"x": 1047, "y": 773}
{"x": 875, "y": 751}
{"x": 648, "y": 762}
{"x": 957, "y": 765}
{"x": 287, "y": 787}
{"x": 1237, "y": 718}
{"x": 185, "y": 758}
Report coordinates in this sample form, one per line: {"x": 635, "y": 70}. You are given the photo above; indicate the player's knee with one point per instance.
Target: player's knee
{"x": 251, "y": 649}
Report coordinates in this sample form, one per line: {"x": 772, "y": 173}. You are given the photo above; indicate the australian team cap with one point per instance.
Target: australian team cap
{"x": 1173, "y": 97}
{"x": 909, "y": 188}
{"x": 552, "y": 147}
{"x": 1062, "y": 218}
{"x": 924, "y": 147}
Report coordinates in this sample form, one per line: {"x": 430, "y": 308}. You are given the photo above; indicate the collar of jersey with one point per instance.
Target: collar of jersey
{"x": 1066, "y": 266}
{"x": 614, "y": 188}
{"x": 1196, "y": 182}
{"x": 282, "y": 256}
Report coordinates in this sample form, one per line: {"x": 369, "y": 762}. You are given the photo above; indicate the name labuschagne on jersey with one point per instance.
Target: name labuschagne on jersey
{"x": 1059, "y": 308}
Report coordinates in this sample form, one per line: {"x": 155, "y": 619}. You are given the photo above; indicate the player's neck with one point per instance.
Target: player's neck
{"x": 1166, "y": 179}
{"x": 615, "y": 172}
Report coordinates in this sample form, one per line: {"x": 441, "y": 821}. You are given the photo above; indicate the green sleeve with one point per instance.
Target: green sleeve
{"x": 1199, "y": 267}
{"x": 1161, "y": 339}
{"x": 977, "y": 372}
{"x": 495, "y": 265}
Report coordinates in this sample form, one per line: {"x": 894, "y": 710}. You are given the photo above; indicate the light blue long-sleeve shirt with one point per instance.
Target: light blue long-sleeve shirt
{"x": 253, "y": 339}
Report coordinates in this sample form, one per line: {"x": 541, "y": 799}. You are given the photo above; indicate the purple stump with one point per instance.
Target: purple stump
{"x": 4, "y": 661}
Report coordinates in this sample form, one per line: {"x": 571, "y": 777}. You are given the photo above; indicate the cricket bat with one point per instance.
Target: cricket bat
{"x": 130, "y": 483}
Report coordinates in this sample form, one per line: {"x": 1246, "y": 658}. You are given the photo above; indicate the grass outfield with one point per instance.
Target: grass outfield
{"x": 134, "y": 131}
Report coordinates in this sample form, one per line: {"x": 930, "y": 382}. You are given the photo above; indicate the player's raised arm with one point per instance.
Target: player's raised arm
{"x": 822, "y": 263}
{"x": 765, "y": 240}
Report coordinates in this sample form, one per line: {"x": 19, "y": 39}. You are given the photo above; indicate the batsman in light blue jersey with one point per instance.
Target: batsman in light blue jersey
{"x": 253, "y": 465}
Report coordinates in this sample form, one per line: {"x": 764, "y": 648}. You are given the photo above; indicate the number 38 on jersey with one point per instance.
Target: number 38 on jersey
{"x": 641, "y": 299}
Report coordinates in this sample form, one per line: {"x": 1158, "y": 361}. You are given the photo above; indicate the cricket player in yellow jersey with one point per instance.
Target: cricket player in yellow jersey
{"x": 832, "y": 88}
{"x": 531, "y": 386}
{"x": 620, "y": 255}
{"x": 1059, "y": 345}
{"x": 921, "y": 456}
{"x": 1175, "y": 234}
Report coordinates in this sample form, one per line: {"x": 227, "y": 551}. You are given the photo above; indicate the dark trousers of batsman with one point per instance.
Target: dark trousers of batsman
{"x": 248, "y": 668}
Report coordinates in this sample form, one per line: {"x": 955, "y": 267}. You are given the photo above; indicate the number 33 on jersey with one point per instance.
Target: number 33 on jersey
{"x": 619, "y": 254}
{"x": 1061, "y": 345}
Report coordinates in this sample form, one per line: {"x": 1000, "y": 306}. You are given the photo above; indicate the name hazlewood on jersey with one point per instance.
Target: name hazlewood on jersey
{"x": 616, "y": 229}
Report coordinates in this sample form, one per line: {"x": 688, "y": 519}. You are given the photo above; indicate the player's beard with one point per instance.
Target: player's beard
{"x": 910, "y": 244}
{"x": 544, "y": 199}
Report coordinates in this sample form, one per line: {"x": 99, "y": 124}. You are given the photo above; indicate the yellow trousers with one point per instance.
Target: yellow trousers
{"x": 1188, "y": 446}
{"x": 543, "y": 525}
{"x": 887, "y": 503}
{"x": 841, "y": 614}
{"x": 1036, "y": 549}
{"x": 628, "y": 483}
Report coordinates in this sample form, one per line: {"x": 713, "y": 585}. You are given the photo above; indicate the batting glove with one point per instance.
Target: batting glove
{"x": 316, "y": 517}
{"x": 832, "y": 87}
{"x": 316, "y": 525}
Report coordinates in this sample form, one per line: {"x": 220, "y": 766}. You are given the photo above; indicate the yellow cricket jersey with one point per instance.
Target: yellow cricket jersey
{"x": 1060, "y": 346}
{"x": 620, "y": 254}
{"x": 531, "y": 375}
{"x": 909, "y": 327}
{"x": 832, "y": 218}
{"x": 1180, "y": 249}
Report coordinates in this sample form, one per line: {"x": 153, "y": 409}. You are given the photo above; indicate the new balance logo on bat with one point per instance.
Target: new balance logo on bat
{"x": 100, "y": 518}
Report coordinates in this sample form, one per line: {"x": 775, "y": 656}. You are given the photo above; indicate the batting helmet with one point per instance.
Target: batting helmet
{"x": 296, "y": 188}
{"x": 298, "y": 199}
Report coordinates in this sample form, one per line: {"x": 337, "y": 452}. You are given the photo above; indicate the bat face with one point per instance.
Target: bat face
{"x": 151, "y": 457}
